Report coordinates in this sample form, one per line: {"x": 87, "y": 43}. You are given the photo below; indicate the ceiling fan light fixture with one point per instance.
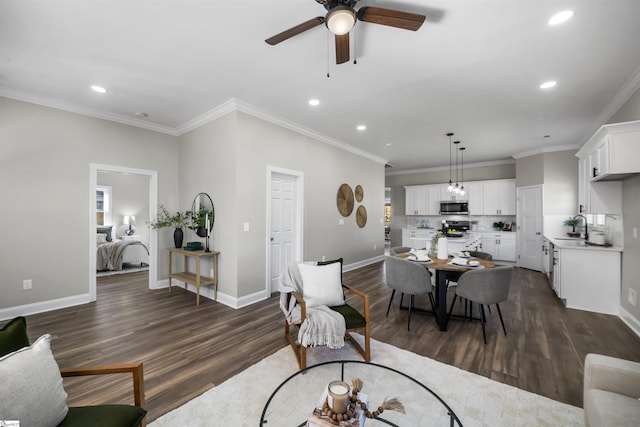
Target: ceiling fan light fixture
{"x": 340, "y": 20}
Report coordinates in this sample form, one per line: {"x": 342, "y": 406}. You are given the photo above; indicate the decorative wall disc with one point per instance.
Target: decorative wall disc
{"x": 345, "y": 200}
{"x": 359, "y": 193}
{"x": 361, "y": 216}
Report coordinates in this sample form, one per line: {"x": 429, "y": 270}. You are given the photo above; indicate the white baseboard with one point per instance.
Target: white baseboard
{"x": 41, "y": 307}
{"x": 630, "y": 321}
{"x": 363, "y": 263}
{"x": 207, "y": 292}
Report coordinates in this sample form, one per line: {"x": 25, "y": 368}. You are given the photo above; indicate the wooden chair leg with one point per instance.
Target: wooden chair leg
{"x": 390, "y": 301}
{"x": 484, "y": 334}
{"x": 501, "y": 320}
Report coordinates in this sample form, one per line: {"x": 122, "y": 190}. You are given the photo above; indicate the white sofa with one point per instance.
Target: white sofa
{"x": 611, "y": 391}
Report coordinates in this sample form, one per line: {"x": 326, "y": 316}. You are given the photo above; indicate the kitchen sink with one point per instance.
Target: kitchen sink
{"x": 568, "y": 238}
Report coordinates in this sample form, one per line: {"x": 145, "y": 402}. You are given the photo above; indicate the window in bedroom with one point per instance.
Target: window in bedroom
{"x": 103, "y": 205}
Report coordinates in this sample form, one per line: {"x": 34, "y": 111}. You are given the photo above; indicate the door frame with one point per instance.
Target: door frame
{"x": 153, "y": 211}
{"x": 298, "y": 177}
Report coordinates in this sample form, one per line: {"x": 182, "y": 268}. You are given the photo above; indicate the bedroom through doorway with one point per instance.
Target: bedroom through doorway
{"x": 123, "y": 201}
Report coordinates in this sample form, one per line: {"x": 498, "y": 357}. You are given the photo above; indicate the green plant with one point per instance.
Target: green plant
{"x": 573, "y": 222}
{"x": 167, "y": 219}
{"x": 498, "y": 225}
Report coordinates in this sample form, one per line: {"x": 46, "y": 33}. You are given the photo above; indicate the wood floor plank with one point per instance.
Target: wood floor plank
{"x": 187, "y": 349}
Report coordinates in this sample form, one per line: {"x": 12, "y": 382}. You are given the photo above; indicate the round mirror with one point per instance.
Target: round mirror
{"x": 203, "y": 214}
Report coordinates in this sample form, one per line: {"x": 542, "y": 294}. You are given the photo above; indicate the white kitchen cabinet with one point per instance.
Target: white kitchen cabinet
{"x": 474, "y": 197}
{"x": 588, "y": 279}
{"x": 499, "y": 197}
{"x": 597, "y": 197}
{"x": 416, "y": 200}
{"x": 417, "y": 238}
{"x": 422, "y": 199}
{"x": 613, "y": 152}
{"x": 501, "y": 245}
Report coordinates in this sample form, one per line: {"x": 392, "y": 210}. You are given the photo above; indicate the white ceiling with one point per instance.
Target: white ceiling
{"x": 473, "y": 68}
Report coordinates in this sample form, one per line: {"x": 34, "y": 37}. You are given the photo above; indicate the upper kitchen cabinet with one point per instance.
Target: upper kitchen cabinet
{"x": 422, "y": 199}
{"x": 612, "y": 153}
{"x": 499, "y": 197}
{"x": 597, "y": 197}
{"x": 474, "y": 197}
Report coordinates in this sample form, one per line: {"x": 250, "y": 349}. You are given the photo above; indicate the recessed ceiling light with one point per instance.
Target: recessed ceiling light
{"x": 314, "y": 102}
{"x": 361, "y": 127}
{"x": 389, "y": 144}
{"x": 561, "y": 17}
{"x": 547, "y": 85}
{"x": 98, "y": 89}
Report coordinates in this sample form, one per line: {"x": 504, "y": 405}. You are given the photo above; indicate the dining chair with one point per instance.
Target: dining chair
{"x": 485, "y": 287}
{"x": 408, "y": 277}
{"x": 399, "y": 250}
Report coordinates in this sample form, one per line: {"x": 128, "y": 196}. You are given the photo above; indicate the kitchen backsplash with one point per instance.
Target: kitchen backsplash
{"x": 485, "y": 223}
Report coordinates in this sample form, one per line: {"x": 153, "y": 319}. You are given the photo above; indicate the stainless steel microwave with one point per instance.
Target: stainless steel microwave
{"x": 454, "y": 207}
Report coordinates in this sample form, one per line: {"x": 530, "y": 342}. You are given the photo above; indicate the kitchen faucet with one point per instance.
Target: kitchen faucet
{"x": 586, "y": 229}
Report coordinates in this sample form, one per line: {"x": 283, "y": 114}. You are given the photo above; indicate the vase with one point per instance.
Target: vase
{"x": 178, "y": 236}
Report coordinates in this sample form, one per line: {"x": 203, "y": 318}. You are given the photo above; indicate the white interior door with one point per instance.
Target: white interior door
{"x": 285, "y": 223}
{"x": 529, "y": 220}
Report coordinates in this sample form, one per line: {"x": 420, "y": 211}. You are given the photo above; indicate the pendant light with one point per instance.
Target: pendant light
{"x": 456, "y": 187}
{"x": 462, "y": 171}
{"x": 450, "y": 186}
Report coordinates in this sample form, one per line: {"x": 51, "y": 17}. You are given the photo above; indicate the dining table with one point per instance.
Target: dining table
{"x": 441, "y": 267}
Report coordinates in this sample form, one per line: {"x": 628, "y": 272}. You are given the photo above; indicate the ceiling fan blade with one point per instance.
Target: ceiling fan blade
{"x": 391, "y": 18}
{"x": 294, "y": 31}
{"x": 342, "y": 48}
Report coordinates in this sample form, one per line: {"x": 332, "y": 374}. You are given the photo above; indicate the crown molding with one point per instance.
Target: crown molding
{"x": 446, "y": 168}
{"x": 85, "y": 111}
{"x": 542, "y": 150}
{"x": 215, "y": 113}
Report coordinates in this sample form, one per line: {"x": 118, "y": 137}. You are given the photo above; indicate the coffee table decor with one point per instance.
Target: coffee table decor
{"x": 341, "y": 407}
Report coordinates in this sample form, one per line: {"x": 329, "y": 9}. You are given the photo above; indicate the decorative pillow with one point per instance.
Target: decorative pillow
{"x": 322, "y": 284}
{"x": 13, "y": 336}
{"x": 32, "y": 390}
{"x": 101, "y": 238}
{"x": 105, "y": 229}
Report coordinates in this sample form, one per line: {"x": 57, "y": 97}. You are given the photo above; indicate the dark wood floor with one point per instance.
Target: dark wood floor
{"x": 187, "y": 349}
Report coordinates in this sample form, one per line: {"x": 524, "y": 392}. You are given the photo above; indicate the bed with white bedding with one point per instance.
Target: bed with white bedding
{"x": 113, "y": 254}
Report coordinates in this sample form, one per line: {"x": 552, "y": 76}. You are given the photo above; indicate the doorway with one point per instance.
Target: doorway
{"x": 284, "y": 237}
{"x": 153, "y": 203}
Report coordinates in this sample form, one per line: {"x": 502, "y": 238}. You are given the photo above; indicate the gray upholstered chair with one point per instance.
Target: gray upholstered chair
{"x": 399, "y": 250}
{"x": 408, "y": 277}
{"x": 611, "y": 391}
{"x": 453, "y": 276}
{"x": 485, "y": 287}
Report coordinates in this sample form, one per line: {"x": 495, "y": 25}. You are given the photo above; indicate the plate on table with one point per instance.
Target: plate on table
{"x": 415, "y": 258}
{"x": 461, "y": 255}
{"x": 461, "y": 262}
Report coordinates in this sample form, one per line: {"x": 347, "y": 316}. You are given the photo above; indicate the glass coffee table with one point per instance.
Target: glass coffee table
{"x": 293, "y": 402}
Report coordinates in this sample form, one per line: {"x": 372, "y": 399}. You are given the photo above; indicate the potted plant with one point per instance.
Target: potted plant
{"x": 178, "y": 220}
{"x": 573, "y": 222}
{"x": 498, "y": 225}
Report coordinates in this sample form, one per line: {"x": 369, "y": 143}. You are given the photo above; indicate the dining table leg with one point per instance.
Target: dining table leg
{"x": 441, "y": 299}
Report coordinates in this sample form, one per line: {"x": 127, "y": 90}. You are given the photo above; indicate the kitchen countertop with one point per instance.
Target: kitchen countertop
{"x": 579, "y": 243}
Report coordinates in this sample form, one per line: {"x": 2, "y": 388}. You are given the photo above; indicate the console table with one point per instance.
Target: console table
{"x": 195, "y": 279}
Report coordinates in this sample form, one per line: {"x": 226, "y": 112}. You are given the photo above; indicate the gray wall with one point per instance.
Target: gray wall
{"x": 631, "y": 217}
{"x": 45, "y": 194}
{"x": 396, "y": 183}
{"x": 228, "y": 159}
{"x": 560, "y": 183}
{"x": 530, "y": 170}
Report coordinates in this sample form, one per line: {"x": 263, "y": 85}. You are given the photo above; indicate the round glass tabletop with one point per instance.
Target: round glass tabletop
{"x": 293, "y": 402}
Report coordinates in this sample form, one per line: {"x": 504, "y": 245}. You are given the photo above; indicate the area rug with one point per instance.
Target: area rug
{"x": 476, "y": 400}
{"x": 123, "y": 271}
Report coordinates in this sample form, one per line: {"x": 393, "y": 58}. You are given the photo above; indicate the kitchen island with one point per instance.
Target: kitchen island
{"x": 586, "y": 277}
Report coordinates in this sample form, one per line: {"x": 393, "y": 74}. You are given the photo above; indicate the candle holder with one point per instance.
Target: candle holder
{"x": 338, "y": 398}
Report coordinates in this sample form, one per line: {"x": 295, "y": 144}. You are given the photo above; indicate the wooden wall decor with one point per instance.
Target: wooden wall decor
{"x": 345, "y": 200}
{"x": 361, "y": 216}
{"x": 359, "y": 193}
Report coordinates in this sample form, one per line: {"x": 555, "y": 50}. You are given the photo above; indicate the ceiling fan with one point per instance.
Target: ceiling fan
{"x": 340, "y": 19}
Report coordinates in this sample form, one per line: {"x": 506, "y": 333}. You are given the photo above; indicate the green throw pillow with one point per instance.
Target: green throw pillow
{"x": 13, "y": 336}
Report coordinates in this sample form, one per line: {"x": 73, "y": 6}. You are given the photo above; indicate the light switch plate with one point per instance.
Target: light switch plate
{"x": 246, "y": 226}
